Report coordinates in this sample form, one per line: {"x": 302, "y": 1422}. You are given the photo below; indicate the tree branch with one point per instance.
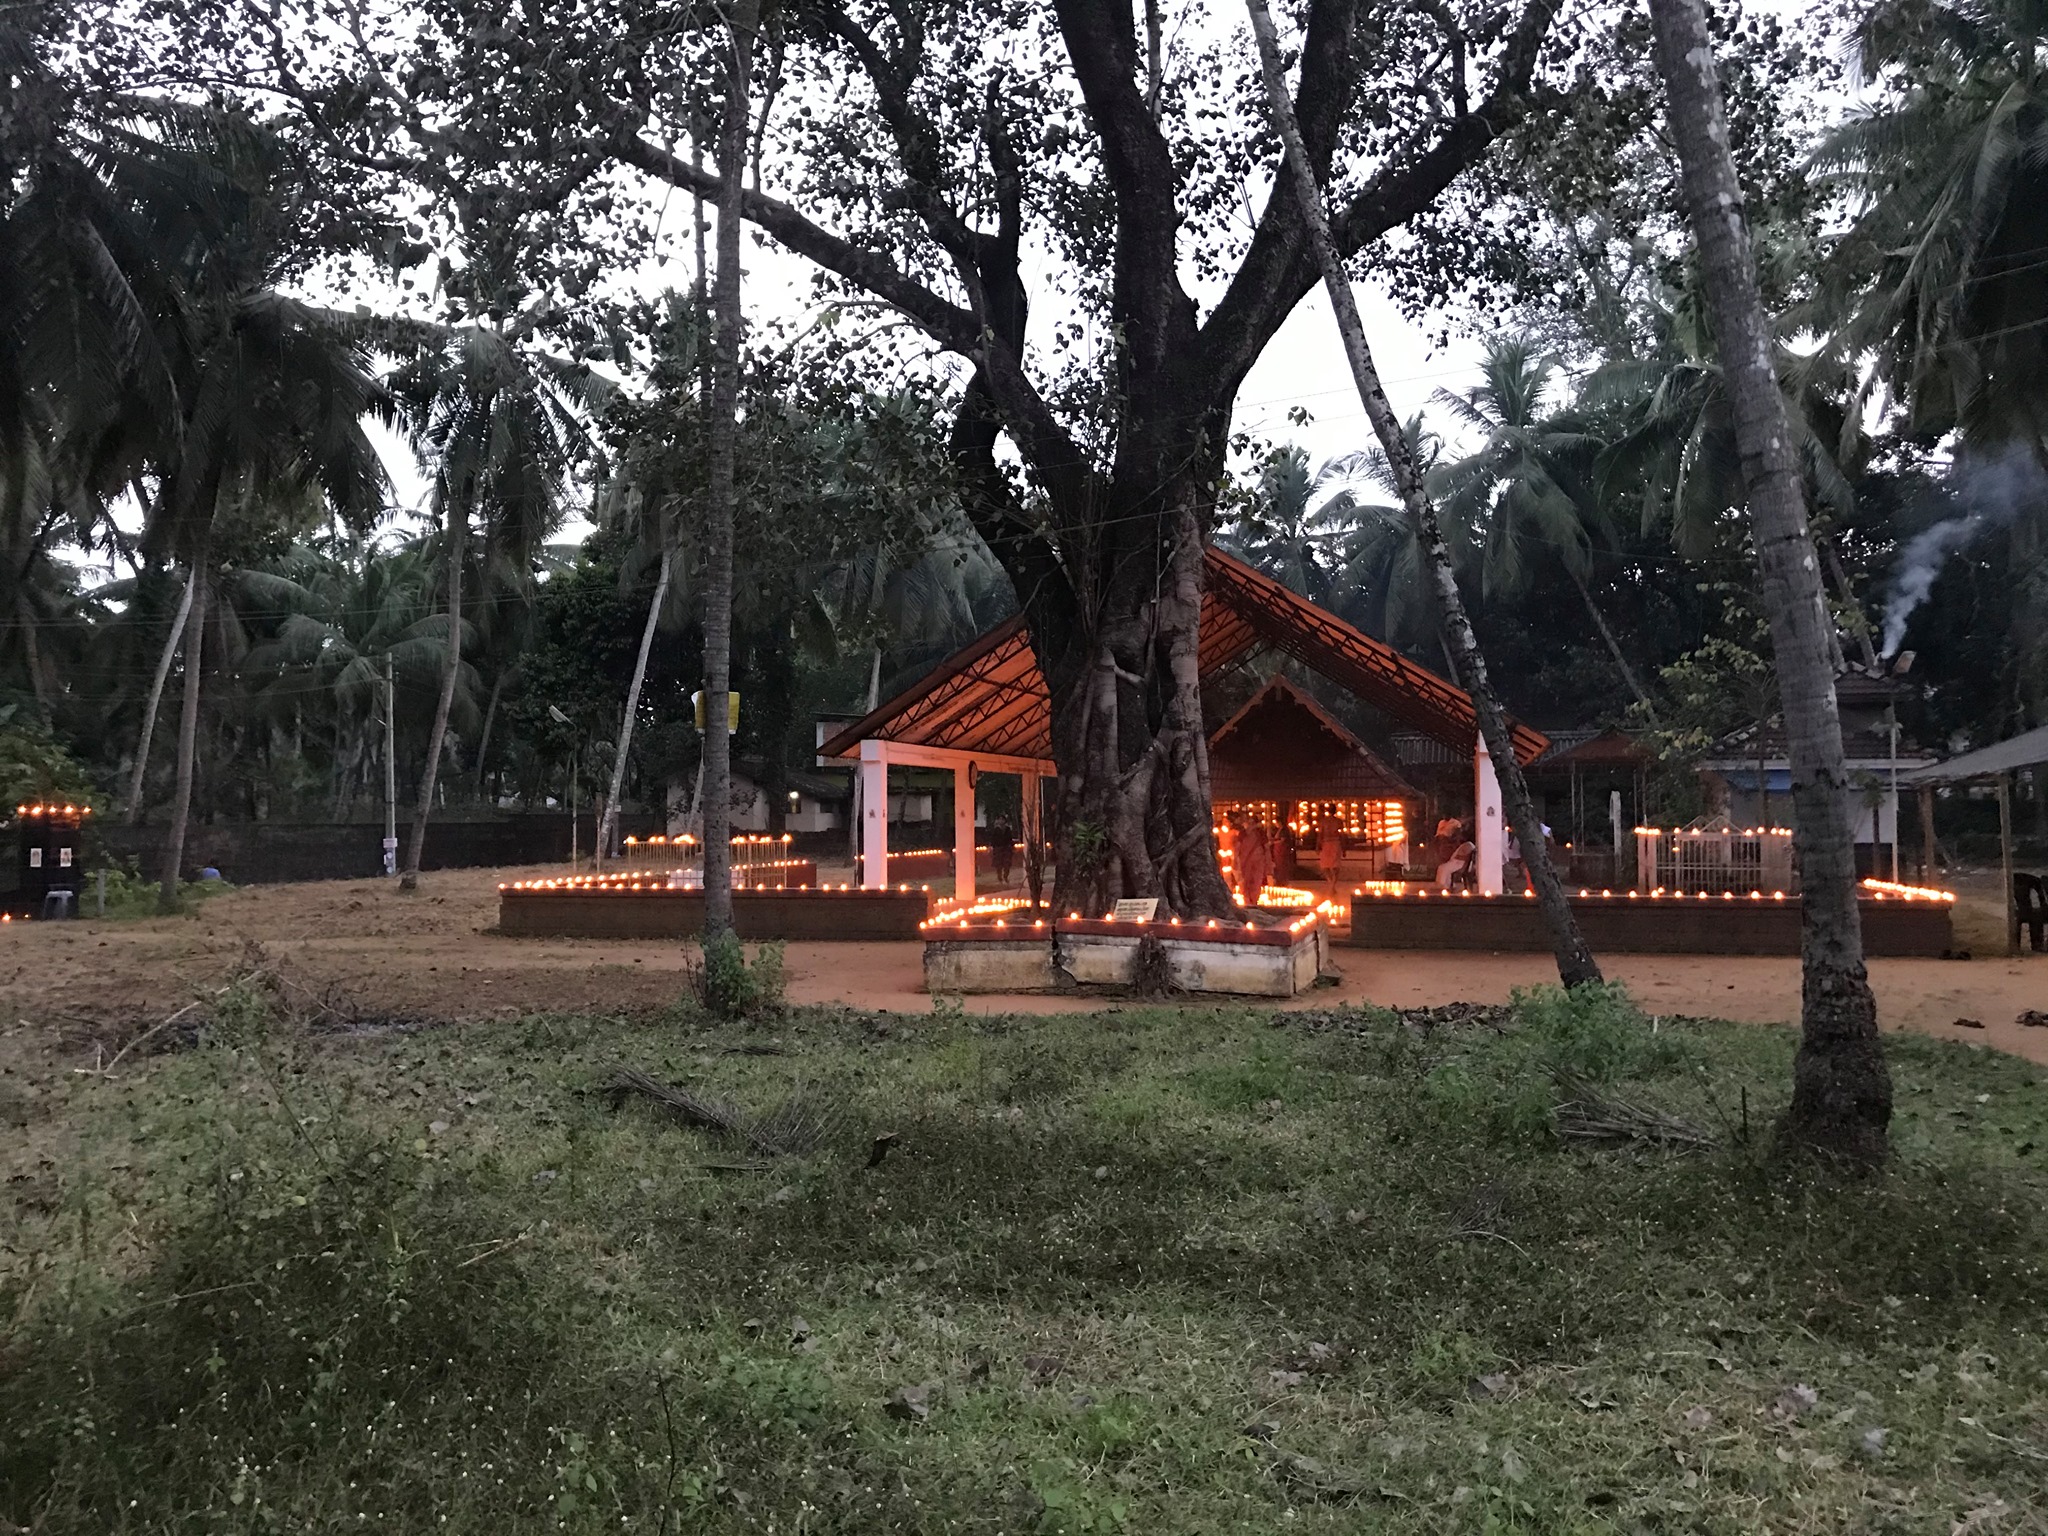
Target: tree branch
{"x": 1101, "y": 39}
{"x": 1279, "y": 270}
{"x": 953, "y": 327}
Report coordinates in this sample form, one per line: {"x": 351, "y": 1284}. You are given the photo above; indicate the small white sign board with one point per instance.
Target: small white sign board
{"x": 1137, "y": 909}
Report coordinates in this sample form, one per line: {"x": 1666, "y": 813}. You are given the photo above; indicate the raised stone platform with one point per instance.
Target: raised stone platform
{"x": 1627, "y": 922}
{"x": 1011, "y": 954}
{"x": 560, "y": 909}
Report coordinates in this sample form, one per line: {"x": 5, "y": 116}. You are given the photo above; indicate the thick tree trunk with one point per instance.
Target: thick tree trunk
{"x": 723, "y": 445}
{"x": 1842, "y": 1091}
{"x": 1575, "y": 962}
{"x": 1133, "y": 814}
{"x": 156, "y": 695}
{"x": 188, "y": 742}
{"x": 458, "y": 527}
{"x": 618, "y": 787}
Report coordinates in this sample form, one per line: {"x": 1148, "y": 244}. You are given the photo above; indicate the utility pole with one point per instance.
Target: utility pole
{"x": 390, "y": 769}
{"x": 575, "y": 764}
{"x": 1892, "y": 725}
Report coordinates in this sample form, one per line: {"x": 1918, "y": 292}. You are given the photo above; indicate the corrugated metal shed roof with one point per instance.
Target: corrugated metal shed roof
{"x": 2026, "y": 750}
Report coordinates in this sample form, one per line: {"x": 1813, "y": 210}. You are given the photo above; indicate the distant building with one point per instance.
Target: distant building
{"x": 1747, "y": 776}
{"x": 810, "y": 801}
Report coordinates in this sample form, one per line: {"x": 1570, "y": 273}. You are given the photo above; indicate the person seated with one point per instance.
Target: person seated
{"x": 1459, "y": 869}
{"x": 1449, "y": 833}
{"x": 2030, "y": 900}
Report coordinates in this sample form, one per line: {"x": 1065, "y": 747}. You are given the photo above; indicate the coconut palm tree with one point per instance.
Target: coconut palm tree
{"x": 272, "y": 392}
{"x": 1365, "y": 539}
{"x": 1668, "y": 443}
{"x": 1524, "y": 491}
{"x": 1939, "y": 278}
{"x": 1295, "y": 523}
{"x": 1842, "y": 1091}
{"x": 345, "y": 616}
{"x": 499, "y": 426}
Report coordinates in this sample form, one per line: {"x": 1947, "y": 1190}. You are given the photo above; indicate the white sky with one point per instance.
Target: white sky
{"x": 1304, "y": 366}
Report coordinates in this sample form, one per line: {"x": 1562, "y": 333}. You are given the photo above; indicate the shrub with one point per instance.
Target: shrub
{"x": 1594, "y": 1032}
{"x": 132, "y": 894}
{"x": 1597, "y": 1033}
{"x": 727, "y": 987}
{"x": 35, "y": 766}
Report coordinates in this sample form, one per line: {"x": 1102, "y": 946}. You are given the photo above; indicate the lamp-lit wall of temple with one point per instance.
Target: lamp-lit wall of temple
{"x": 1284, "y": 762}
{"x": 1898, "y": 920}
{"x": 626, "y": 907}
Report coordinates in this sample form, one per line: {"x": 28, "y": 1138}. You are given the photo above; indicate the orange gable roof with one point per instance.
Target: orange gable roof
{"x": 990, "y": 696}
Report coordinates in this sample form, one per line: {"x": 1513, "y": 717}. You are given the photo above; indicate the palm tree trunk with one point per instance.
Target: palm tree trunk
{"x": 458, "y": 520}
{"x": 723, "y": 433}
{"x": 483, "y": 740}
{"x": 611, "y": 804}
{"x": 188, "y": 739}
{"x": 1842, "y": 1091}
{"x": 156, "y": 695}
{"x": 1575, "y": 963}
{"x": 32, "y": 652}
{"x": 1845, "y": 594}
{"x": 1614, "y": 649}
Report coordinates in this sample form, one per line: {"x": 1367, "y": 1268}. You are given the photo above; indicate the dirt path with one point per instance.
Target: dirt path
{"x": 431, "y": 955}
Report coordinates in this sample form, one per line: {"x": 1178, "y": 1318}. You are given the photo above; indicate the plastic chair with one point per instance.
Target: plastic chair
{"x": 2030, "y": 898}
{"x": 60, "y": 904}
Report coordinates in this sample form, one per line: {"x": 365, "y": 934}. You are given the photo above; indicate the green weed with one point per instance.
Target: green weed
{"x": 726, "y": 986}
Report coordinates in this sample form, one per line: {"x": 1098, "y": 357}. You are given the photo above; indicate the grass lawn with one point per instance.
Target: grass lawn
{"x": 1149, "y": 1270}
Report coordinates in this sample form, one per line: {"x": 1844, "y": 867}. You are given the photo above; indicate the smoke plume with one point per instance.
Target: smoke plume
{"x": 1991, "y": 491}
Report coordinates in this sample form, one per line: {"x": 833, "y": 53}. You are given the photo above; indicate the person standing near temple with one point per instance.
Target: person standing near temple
{"x": 1254, "y": 860}
{"x": 1002, "y": 849}
{"x": 1330, "y": 850}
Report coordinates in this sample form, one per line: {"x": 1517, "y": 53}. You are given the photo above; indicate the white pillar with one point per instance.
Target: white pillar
{"x": 1027, "y": 821}
{"x": 874, "y": 814}
{"x": 1489, "y": 835}
{"x": 963, "y": 832}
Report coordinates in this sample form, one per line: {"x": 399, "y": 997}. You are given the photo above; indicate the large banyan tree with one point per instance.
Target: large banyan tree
{"x": 1076, "y": 200}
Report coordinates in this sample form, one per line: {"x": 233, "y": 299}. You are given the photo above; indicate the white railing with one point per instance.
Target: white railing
{"x": 1715, "y": 857}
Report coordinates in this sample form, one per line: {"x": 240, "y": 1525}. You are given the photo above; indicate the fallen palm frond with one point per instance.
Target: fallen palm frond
{"x": 1584, "y": 1113}
{"x": 802, "y": 1123}
{"x": 799, "y": 1125}
{"x": 692, "y": 1109}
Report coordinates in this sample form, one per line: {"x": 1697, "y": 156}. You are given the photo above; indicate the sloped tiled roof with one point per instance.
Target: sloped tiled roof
{"x": 991, "y": 697}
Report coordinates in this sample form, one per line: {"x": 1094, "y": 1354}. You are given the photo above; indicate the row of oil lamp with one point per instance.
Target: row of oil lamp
{"x": 1708, "y": 832}
{"x": 635, "y": 883}
{"x": 998, "y": 916}
{"x": 685, "y": 840}
{"x": 53, "y": 810}
{"x": 1373, "y": 821}
{"x": 1876, "y": 890}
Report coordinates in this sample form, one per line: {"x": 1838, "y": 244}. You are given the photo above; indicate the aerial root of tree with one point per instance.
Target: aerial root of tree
{"x": 1136, "y": 820}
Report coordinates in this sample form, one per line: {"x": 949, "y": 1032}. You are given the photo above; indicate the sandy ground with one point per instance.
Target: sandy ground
{"x": 432, "y": 955}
